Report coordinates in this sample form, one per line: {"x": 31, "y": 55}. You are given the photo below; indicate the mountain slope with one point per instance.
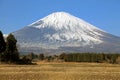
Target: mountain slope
{"x": 61, "y": 31}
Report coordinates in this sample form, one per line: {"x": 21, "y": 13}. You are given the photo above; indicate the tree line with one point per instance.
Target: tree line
{"x": 90, "y": 57}
{"x": 77, "y": 57}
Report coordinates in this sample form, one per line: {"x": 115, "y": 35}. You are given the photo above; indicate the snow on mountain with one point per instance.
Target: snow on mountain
{"x": 59, "y": 20}
{"x": 61, "y": 29}
{"x": 68, "y": 27}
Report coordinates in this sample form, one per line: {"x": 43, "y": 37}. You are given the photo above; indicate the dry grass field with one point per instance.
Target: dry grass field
{"x": 60, "y": 71}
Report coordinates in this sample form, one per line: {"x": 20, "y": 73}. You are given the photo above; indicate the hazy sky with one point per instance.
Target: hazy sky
{"x": 16, "y": 14}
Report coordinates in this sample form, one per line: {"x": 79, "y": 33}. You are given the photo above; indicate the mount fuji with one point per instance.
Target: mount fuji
{"x": 62, "y": 32}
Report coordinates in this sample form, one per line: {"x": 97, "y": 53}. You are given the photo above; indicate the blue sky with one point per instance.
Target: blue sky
{"x": 16, "y": 14}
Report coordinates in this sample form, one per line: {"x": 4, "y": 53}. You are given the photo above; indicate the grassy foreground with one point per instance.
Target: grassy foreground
{"x": 60, "y": 71}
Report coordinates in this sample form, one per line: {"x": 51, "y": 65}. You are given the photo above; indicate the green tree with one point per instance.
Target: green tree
{"x": 11, "y": 53}
{"x": 2, "y": 43}
{"x": 2, "y": 46}
{"x": 41, "y": 56}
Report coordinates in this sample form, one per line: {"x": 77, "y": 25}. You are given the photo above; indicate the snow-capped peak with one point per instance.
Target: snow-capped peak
{"x": 66, "y": 30}
{"x": 66, "y": 27}
{"x": 60, "y": 20}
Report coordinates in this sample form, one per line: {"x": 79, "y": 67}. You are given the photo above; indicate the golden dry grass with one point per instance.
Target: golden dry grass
{"x": 60, "y": 71}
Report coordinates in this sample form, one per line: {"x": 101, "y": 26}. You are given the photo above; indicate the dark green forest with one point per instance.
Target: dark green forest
{"x": 90, "y": 57}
